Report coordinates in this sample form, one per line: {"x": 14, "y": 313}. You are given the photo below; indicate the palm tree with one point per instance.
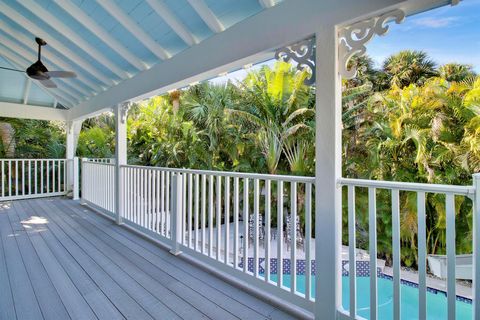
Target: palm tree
{"x": 456, "y": 72}
{"x": 276, "y": 103}
{"x": 409, "y": 67}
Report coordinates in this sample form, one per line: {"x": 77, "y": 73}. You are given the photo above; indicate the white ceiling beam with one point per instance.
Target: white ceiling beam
{"x": 21, "y": 111}
{"x": 15, "y": 49}
{"x": 17, "y": 62}
{"x": 53, "y": 58}
{"x": 169, "y": 17}
{"x": 130, "y": 25}
{"x": 81, "y": 43}
{"x": 207, "y": 15}
{"x": 267, "y": 3}
{"x": 26, "y": 90}
{"x": 84, "y": 19}
{"x": 66, "y": 52}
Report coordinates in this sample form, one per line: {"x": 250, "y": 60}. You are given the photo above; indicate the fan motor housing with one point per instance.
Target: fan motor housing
{"x": 37, "y": 71}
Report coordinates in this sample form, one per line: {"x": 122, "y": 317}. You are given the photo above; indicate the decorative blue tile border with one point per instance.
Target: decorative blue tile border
{"x": 362, "y": 270}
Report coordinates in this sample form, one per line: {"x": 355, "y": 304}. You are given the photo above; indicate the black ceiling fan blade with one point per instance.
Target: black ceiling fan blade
{"x": 47, "y": 83}
{"x": 61, "y": 74}
{"x": 11, "y": 69}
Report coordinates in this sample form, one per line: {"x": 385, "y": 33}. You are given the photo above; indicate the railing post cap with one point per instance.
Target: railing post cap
{"x": 476, "y": 176}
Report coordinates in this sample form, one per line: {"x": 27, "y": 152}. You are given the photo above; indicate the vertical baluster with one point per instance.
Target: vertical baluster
{"x": 210, "y": 216}
{"x": 184, "y": 209}
{"x": 245, "y": 224}
{"x": 16, "y": 177}
{"x": 219, "y": 217}
{"x": 227, "y": 221}
{"x": 267, "y": 229}
{"x": 396, "y": 252}
{"x": 145, "y": 198}
{"x": 23, "y": 177}
{"x": 29, "y": 177}
{"x": 204, "y": 205}
{"x": 154, "y": 199}
{"x": 293, "y": 236}
{"x": 256, "y": 230}
{"x": 149, "y": 199}
{"x": 190, "y": 209}
{"x": 235, "y": 221}
{"x": 352, "y": 271}
{"x": 58, "y": 176}
{"x": 48, "y": 176}
{"x": 167, "y": 201}
{"x": 42, "y": 174}
{"x": 372, "y": 214}
{"x": 280, "y": 233}
{"x": 308, "y": 240}
{"x": 136, "y": 190}
{"x": 451, "y": 280}
{"x": 9, "y": 178}
{"x": 162, "y": 203}
{"x": 476, "y": 247}
{"x": 422, "y": 256}
{"x": 36, "y": 176}
{"x": 3, "y": 178}
{"x": 159, "y": 201}
{"x": 53, "y": 176}
{"x": 197, "y": 204}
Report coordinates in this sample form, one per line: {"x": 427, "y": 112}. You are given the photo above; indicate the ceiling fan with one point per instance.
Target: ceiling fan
{"x": 39, "y": 72}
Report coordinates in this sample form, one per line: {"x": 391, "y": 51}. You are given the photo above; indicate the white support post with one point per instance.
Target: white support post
{"x": 476, "y": 247}
{"x": 176, "y": 213}
{"x": 73, "y": 131}
{"x": 120, "y": 111}
{"x": 328, "y": 213}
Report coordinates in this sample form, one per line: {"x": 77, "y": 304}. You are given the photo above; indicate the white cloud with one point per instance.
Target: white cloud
{"x": 432, "y": 22}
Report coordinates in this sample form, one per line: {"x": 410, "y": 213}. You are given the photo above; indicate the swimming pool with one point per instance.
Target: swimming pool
{"x": 436, "y": 302}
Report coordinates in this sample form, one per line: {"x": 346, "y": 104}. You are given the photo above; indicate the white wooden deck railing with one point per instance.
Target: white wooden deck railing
{"x": 396, "y": 190}
{"x": 98, "y": 185}
{"x": 30, "y": 178}
{"x": 217, "y": 217}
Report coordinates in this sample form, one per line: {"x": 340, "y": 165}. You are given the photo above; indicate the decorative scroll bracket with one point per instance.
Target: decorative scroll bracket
{"x": 353, "y": 38}
{"x": 124, "y": 108}
{"x": 303, "y": 53}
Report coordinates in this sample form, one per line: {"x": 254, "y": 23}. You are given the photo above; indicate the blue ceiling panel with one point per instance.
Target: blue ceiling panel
{"x": 229, "y": 12}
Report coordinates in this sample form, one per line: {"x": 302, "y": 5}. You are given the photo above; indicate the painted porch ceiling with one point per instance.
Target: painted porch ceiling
{"x": 104, "y": 41}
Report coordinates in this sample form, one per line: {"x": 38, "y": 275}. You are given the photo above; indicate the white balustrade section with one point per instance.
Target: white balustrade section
{"x": 258, "y": 228}
{"x": 32, "y": 178}
{"x": 98, "y": 185}
{"x": 241, "y": 223}
{"x": 397, "y": 192}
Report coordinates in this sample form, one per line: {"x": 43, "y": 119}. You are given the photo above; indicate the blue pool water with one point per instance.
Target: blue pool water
{"x": 436, "y": 303}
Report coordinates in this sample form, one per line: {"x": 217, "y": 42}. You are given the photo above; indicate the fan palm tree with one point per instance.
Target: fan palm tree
{"x": 409, "y": 67}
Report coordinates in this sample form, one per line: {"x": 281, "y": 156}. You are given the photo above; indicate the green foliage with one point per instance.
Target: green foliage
{"x": 30, "y": 137}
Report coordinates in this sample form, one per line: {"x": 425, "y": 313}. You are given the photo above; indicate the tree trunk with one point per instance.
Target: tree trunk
{"x": 7, "y": 134}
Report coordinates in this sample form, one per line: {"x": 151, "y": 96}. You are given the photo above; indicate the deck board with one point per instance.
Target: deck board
{"x": 60, "y": 260}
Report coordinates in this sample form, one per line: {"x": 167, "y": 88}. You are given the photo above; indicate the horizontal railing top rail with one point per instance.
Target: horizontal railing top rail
{"x": 260, "y": 176}
{"x": 409, "y": 186}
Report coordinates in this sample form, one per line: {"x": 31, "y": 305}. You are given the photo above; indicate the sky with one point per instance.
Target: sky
{"x": 447, "y": 34}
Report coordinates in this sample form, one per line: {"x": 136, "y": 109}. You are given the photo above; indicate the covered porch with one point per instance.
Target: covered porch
{"x": 156, "y": 242}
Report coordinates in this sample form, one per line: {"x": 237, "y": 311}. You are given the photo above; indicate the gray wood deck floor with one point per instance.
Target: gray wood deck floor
{"x": 60, "y": 260}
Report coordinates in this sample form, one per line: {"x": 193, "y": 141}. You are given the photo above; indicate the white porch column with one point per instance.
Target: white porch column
{"x": 328, "y": 213}
{"x": 120, "y": 111}
{"x": 73, "y": 132}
